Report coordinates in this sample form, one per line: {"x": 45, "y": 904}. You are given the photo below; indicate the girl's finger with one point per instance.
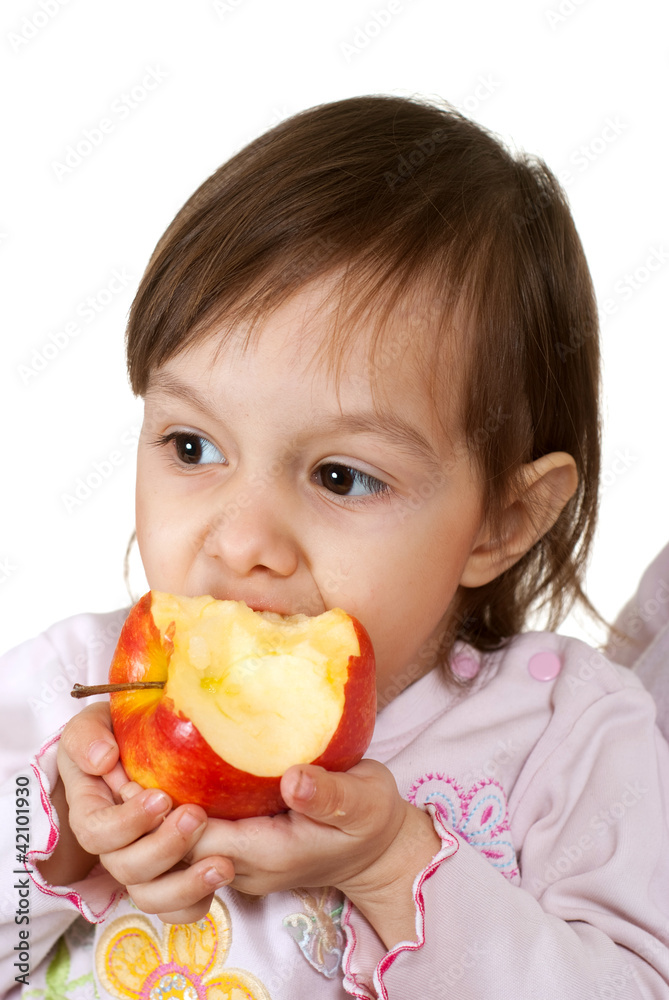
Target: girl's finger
{"x": 118, "y": 781}
{"x": 165, "y": 846}
{"x": 188, "y": 916}
{"x": 129, "y": 790}
{"x": 88, "y": 740}
{"x": 97, "y": 822}
{"x": 348, "y": 801}
{"x": 181, "y": 897}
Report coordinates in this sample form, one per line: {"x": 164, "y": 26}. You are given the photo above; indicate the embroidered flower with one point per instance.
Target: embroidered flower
{"x": 187, "y": 964}
{"x": 57, "y": 982}
{"x": 318, "y": 932}
{"x": 480, "y": 815}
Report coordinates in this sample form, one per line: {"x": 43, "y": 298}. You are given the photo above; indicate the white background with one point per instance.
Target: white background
{"x": 549, "y": 77}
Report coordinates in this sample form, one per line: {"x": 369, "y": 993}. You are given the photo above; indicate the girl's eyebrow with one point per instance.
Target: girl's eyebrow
{"x": 173, "y": 386}
{"x": 387, "y": 425}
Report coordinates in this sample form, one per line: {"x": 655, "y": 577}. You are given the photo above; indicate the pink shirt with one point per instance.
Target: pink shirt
{"x": 548, "y": 783}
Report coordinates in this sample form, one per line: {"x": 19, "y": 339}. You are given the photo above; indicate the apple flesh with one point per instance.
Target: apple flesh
{"x": 247, "y": 694}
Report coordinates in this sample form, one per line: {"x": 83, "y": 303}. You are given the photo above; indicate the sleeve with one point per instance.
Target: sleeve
{"x": 644, "y": 616}
{"x": 591, "y": 915}
{"x": 36, "y": 677}
{"x": 642, "y": 637}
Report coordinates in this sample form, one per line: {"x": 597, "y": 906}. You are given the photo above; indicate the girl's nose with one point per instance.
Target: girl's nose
{"x": 253, "y": 532}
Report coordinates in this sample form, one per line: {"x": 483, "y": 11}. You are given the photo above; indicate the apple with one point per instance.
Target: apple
{"x": 238, "y": 697}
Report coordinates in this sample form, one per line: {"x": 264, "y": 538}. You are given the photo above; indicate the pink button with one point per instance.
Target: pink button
{"x": 465, "y": 666}
{"x": 544, "y": 666}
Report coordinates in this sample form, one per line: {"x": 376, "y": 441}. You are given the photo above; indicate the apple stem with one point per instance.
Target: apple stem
{"x": 83, "y": 691}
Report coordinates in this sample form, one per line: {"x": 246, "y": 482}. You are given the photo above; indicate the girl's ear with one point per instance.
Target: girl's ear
{"x": 539, "y": 494}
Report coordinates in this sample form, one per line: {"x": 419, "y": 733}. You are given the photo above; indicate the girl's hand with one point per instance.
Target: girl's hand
{"x": 86, "y": 738}
{"x": 104, "y": 817}
{"x": 352, "y": 830}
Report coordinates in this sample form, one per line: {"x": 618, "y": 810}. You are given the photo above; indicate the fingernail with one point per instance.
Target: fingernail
{"x": 129, "y": 790}
{"x": 98, "y": 751}
{"x": 214, "y": 879}
{"x": 156, "y": 802}
{"x": 188, "y": 824}
{"x": 304, "y": 787}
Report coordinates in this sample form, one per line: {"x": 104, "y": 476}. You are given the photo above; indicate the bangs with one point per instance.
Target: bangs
{"x": 370, "y": 189}
{"x": 405, "y": 327}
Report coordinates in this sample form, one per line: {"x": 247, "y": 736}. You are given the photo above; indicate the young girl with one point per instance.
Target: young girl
{"x": 368, "y": 351}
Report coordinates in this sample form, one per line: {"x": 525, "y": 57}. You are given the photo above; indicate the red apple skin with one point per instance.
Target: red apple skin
{"x": 160, "y": 748}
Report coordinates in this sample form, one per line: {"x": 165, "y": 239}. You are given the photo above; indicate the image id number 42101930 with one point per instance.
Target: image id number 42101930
{"x": 22, "y": 884}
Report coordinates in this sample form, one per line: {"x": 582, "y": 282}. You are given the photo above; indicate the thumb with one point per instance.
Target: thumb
{"x": 88, "y": 740}
{"x": 319, "y": 794}
{"x": 338, "y": 798}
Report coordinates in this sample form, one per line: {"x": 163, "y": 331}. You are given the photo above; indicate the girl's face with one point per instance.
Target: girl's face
{"x": 259, "y": 481}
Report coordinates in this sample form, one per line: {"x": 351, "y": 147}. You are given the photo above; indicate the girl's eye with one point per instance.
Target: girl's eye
{"x": 344, "y": 481}
{"x": 192, "y": 449}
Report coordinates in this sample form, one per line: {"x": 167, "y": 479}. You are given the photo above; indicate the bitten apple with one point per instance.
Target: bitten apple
{"x": 246, "y": 695}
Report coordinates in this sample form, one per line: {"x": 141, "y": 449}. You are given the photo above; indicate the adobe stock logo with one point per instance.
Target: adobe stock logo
{"x": 223, "y": 7}
{"x": 571, "y": 855}
{"x": 366, "y": 32}
{"x": 120, "y": 110}
{"x": 101, "y": 471}
{"x": 86, "y": 312}
{"x": 6, "y": 569}
{"x": 32, "y": 24}
{"x": 563, "y": 11}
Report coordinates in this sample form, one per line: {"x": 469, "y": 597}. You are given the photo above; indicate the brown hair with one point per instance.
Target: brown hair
{"x": 398, "y": 195}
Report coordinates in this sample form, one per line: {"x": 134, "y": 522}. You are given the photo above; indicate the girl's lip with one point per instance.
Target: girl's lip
{"x": 257, "y": 604}
{"x": 284, "y": 612}
{"x": 264, "y": 606}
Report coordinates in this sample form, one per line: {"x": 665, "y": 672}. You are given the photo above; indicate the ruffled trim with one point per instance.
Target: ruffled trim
{"x": 353, "y": 983}
{"x": 54, "y": 832}
{"x": 103, "y": 890}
